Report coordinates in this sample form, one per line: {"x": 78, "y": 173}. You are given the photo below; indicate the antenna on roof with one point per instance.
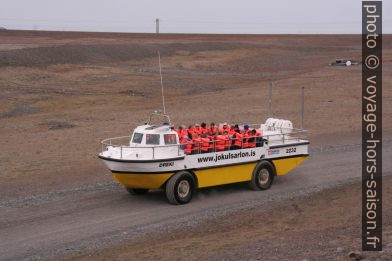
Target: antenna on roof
{"x": 160, "y": 73}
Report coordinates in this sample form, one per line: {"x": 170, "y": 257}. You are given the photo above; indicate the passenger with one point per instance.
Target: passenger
{"x": 186, "y": 144}
{"x": 212, "y": 130}
{"x": 228, "y": 141}
{"x": 231, "y": 131}
{"x": 224, "y": 128}
{"x": 190, "y": 131}
{"x": 251, "y": 139}
{"x": 197, "y": 129}
{"x": 184, "y": 131}
{"x": 181, "y": 131}
{"x": 220, "y": 143}
{"x": 203, "y": 128}
{"x": 205, "y": 143}
{"x": 238, "y": 140}
{"x": 211, "y": 143}
{"x": 259, "y": 138}
{"x": 196, "y": 142}
{"x": 246, "y": 129}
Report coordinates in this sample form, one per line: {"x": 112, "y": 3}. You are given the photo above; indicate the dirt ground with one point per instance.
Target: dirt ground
{"x": 62, "y": 93}
{"x": 325, "y": 226}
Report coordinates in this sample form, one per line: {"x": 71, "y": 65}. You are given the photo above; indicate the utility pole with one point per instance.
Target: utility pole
{"x": 270, "y": 100}
{"x": 157, "y": 26}
{"x": 302, "y": 106}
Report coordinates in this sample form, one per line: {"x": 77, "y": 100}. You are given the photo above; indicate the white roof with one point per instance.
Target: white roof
{"x": 155, "y": 129}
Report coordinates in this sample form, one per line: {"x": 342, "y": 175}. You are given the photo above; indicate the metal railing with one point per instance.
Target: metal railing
{"x": 281, "y": 138}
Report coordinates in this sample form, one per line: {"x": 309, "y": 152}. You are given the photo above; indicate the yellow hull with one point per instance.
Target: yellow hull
{"x": 208, "y": 177}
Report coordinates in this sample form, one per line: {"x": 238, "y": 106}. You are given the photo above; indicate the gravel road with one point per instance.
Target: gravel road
{"x": 75, "y": 221}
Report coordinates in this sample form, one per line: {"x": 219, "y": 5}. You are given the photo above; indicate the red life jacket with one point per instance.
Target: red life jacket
{"x": 189, "y": 132}
{"x": 196, "y": 142}
{"x": 211, "y": 144}
{"x": 222, "y": 130}
{"x": 245, "y": 140}
{"x": 183, "y": 133}
{"x": 238, "y": 140}
{"x": 197, "y": 130}
{"x": 188, "y": 147}
{"x": 227, "y": 142}
{"x": 212, "y": 131}
{"x": 220, "y": 143}
{"x": 205, "y": 145}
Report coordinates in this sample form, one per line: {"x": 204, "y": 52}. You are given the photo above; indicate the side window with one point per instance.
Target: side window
{"x": 137, "y": 138}
{"x": 152, "y": 139}
{"x": 170, "y": 139}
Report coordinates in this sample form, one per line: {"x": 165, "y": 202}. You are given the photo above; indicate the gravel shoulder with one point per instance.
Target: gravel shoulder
{"x": 321, "y": 226}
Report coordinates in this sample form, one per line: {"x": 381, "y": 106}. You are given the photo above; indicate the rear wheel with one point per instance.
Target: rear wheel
{"x": 180, "y": 188}
{"x": 263, "y": 176}
{"x": 136, "y": 191}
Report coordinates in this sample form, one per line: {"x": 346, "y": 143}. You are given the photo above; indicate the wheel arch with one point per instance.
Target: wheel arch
{"x": 191, "y": 171}
{"x": 271, "y": 163}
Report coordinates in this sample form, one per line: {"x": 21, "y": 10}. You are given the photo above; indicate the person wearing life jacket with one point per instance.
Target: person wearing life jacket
{"x": 224, "y": 128}
{"x": 186, "y": 144}
{"x": 212, "y": 130}
{"x": 259, "y": 138}
{"x": 251, "y": 139}
{"x": 231, "y": 131}
{"x": 246, "y": 129}
{"x": 190, "y": 131}
{"x": 212, "y": 143}
{"x": 227, "y": 140}
{"x": 203, "y": 128}
{"x": 196, "y": 144}
{"x": 181, "y": 131}
{"x": 197, "y": 129}
{"x": 238, "y": 140}
{"x": 205, "y": 143}
{"x": 220, "y": 142}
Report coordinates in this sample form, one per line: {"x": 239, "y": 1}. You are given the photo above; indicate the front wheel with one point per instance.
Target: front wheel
{"x": 263, "y": 176}
{"x": 180, "y": 188}
{"x": 136, "y": 191}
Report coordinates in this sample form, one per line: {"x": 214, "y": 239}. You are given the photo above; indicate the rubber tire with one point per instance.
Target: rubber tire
{"x": 171, "y": 188}
{"x": 136, "y": 191}
{"x": 254, "y": 184}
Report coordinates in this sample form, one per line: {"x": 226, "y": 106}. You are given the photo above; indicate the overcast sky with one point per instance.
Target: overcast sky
{"x": 181, "y": 16}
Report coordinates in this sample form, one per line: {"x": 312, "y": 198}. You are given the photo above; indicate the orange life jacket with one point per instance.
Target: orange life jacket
{"x": 222, "y": 130}
{"x": 198, "y": 130}
{"x": 196, "y": 142}
{"x": 250, "y": 140}
{"x": 183, "y": 133}
{"x": 190, "y": 132}
{"x": 211, "y": 144}
{"x": 238, "y": 140}
{"x": 227, "y": 142}
{"x": 188, "y": 147}
{"x": 220, "y": 142}
{"x": 205, "y": 145}
{"x": 212, "y": 131}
